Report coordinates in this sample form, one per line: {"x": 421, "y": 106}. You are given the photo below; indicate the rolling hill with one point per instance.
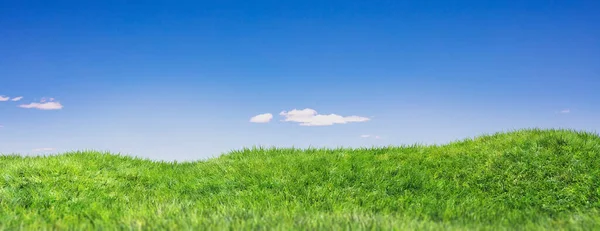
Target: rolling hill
{"x": 530, "y": 179}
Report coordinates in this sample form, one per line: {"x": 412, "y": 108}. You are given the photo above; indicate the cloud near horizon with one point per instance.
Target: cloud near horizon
{"x": 370, "y": 136}
{"x": 43, "y": 149}
{"x": 262, "y": 118}
{"x": 310, "y": 117}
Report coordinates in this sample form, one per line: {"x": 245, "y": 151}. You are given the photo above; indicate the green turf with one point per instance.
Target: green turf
{"x": 529, "y": 179}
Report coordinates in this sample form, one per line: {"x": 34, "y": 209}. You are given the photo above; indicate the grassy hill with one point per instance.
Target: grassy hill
{"x": 528, "y": 179}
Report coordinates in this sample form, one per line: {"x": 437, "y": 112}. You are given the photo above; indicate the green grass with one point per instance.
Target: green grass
{"x": 529, "y": 179}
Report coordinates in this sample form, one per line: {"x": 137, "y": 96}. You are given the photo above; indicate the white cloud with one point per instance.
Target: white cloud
{"x": 43, "y": 106}
{"x": 309, "y": 117}
{"x": 4, "y": 98}
{"x": 42, "y": 149}
{"x": 565, "y": 111}
{"x": 370, "y": 136}
{"x": 262, "y": 118}
{"x": 17, "y": 98}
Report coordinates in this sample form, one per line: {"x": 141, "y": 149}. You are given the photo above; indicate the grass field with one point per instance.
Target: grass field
{"x": 529, "y": 179}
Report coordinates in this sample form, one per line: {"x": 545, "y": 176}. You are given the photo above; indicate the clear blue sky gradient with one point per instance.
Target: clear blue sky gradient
{"x": 175, "y": 80}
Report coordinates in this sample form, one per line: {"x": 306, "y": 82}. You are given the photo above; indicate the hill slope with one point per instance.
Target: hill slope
{"x": 534, "y": 179}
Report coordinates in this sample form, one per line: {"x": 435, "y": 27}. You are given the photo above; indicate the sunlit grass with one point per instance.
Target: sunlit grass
{"x": 528, "y": 179}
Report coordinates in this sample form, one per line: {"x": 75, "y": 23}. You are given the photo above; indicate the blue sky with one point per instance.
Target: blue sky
{"x": 181, "y": 80}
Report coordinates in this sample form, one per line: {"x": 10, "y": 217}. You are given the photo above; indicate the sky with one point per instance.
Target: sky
{"x": 190, "y": 80}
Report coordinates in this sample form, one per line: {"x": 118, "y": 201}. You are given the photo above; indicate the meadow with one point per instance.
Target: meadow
{"x": 532, "y": 179}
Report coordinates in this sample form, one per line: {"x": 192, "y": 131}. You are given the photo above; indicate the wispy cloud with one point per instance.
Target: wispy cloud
{"x": 43, "y": 149}
{"x": 17, "y": 98}
{"x": 4, "y": 98}
{"x": 565, "y": 111}
{"x": 43, "y": 106}
{"x": 310, "y": 117}
{"x": 370, "y": 136}
{"x": 262, "y": 118}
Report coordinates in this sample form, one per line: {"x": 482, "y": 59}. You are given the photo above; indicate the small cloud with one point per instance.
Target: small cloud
{"x": 309, "y": 117}
{"x": 262, "y": 118}
{"x": 43, "y": 149}
{"x": 4, "y": 98}
{"x": 565, "y": 111}
{"x": 370, "y": 136}
{"x": 17, "y": 98}
{"x": 43, "y": 106}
